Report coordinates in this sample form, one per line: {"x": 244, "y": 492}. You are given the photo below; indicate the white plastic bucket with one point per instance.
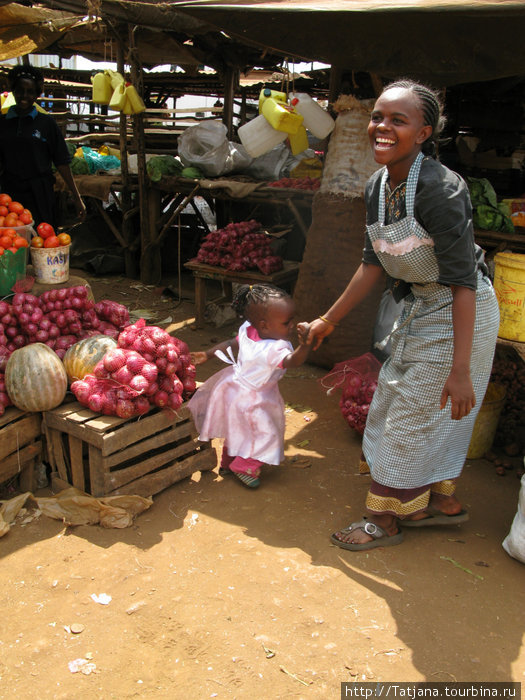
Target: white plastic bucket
{"x": 51, "y": 265}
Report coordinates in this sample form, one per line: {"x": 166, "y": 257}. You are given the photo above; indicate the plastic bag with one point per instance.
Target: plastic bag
{"x": 357, "y": 378}
{"x": 206, "y": 146}
{"x": 270, "y": 165}
{"x": 97, "y": 161}
{"x": 387, "y": 314}
{"x": 514, "y": 542}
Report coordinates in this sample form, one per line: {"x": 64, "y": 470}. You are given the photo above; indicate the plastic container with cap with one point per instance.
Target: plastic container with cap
{"x": 316, "y": 119}
{"x": 275, "y": 94}
{"x": 258, "y": 136}
{"x": 281, "y": 116}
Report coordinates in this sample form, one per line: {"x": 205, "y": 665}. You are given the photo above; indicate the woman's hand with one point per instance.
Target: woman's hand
{"x": 318, "y": 330}
{"x": 199, "y": 357}
{"x": 461, "y": 392}
{"x": 81, "y": 209}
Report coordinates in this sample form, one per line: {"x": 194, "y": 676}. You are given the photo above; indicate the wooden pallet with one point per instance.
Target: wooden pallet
{"x": 106, "y": 455}
{"x": 20, "y": 446}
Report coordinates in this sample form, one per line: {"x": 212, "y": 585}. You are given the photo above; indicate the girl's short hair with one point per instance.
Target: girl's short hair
{"x": 257, "y": 294}
{"x": 431, "y": 107}
{"x": 20, "y": 71}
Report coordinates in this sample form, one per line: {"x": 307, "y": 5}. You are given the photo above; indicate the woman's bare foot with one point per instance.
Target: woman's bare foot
{"x": 448, "y": 505}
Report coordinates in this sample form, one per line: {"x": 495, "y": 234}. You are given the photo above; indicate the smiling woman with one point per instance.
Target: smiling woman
{"x": 419, "y": 231}
{"x": 30, "y": 143}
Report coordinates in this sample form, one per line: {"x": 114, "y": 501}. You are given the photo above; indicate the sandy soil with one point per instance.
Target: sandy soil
{"x": 222, "y": 592}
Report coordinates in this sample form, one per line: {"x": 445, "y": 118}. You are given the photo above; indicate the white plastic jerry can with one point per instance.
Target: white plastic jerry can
{"x": 316, "y": 119}
{"x": 258, "y": 136}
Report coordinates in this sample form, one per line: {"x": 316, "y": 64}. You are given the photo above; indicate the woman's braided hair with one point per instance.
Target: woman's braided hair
{"x": 431, "y": 107}
{"x": 30, "y": 72}
{"x": 256, "y": 294}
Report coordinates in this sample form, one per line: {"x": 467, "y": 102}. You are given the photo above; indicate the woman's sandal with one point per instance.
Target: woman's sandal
{"x": 437, "y": 517}
{"x": 380, "y": 536}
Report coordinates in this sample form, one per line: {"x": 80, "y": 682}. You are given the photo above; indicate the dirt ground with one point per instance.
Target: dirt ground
{"x": 222, "y": 592}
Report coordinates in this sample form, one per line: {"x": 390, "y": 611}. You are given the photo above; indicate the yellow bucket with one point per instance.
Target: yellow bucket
{"x": 51, "y": 265}
{"x": 487, "y": 420}
{"x": 509, "y": 285}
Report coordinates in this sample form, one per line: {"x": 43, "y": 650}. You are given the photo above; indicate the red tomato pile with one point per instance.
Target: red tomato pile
{"x": 12, "y": 216}
{"x": 47, "y": 237}
{"x": 11, "y": 241}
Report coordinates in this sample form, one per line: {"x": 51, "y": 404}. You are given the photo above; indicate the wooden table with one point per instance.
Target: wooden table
{"x": 202, "y": 272}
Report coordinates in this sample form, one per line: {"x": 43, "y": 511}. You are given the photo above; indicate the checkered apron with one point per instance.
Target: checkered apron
{"x": 408, "y": 441}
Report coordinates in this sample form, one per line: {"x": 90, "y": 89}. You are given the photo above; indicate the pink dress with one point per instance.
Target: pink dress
{"x": 242, "y": 403}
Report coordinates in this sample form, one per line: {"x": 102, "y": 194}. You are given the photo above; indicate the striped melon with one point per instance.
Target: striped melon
{"x": 82, "y": 357}
{"x": 35, "y": 378}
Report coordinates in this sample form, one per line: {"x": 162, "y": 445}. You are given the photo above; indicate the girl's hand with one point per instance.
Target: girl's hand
{"x": 319, "y": 330}
{"x": 303, "y": 329}
{"x": 461, "y": 392}
{"x": 198, "y": 358}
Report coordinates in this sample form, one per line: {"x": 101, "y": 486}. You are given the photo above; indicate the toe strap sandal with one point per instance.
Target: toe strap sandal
{"x": 380, "y": 537}
{"x": 437, "y": 517}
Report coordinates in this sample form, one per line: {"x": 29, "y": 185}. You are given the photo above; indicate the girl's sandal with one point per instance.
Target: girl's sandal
{"x": 380, "y": 537}
{"x": 252, "y": 482}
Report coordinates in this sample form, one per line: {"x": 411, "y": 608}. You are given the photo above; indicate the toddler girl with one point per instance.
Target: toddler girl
{"x": 242, "y": 402}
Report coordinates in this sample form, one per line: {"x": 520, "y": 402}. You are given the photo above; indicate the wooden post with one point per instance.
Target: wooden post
{"x": 126, "y": 200}
{"x": 231, "y": 80}
{"x": 150, "y": 257}
{"x": 335, "y": 83}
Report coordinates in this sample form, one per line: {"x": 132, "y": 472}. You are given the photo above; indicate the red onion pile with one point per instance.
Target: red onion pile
{"x": 297, "y": 183}
{"x": 148, "y": 368}
{"x": 240, "y": 247}
{"x": 5, "y": 401}
{"x": 58, "y": 318}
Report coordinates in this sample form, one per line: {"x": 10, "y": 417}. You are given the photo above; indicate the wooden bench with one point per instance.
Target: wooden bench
{"x": 285, "y": 278}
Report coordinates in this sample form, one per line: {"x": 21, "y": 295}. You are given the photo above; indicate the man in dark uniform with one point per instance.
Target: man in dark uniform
{"x": 30, "y": 143}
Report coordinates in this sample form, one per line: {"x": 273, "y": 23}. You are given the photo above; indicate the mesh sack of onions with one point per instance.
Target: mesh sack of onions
{"x": 238, "y": 247}
{"x": 358, "y": 380}
{"x": 111, "y": 317}
{"x": 170, "y": 355}
{"x": 147, "y": 368}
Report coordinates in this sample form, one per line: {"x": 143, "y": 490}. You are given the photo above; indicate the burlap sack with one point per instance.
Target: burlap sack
{"x": 333, "y": 252}
{"x": 349, "y": 160}
{"x": 334, "y": 244}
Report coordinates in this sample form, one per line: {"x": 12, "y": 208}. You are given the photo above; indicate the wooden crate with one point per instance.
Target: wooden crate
{"x": 106, "y": 455}
{"x": 20, "y": 446}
